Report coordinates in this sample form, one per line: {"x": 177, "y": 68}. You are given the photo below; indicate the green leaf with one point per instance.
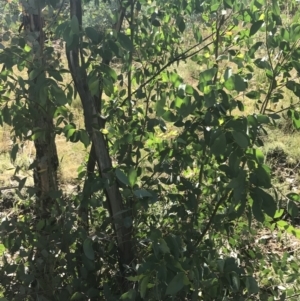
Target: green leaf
{"x": 70, "y": 133}
{"x": 265, "y": 201}
{"x": 84, "y": 138}
{"x": 163, "y": 246}
{"x": 155, "y": 23}
{"x": 88, "y": 249}
{"x": 22, "y": 183}
{"x": 132, "y": 176}
{"x": 113, "y": 47}
{"x": 238, "y": 184}
{"x": 94, "y": 87}
{"x": 228, "y": 3}
{"x": 263, "y": 174}
{"x": 219, "y": 145}
{"x": 253, "y": 49}
{"x": 263, "y": 119}
{"x": 251, "y": 285}
{"x": 75, "y": 25}
{"x": 130, "y": 295}
{"x": 207, "y": 75}
{"x": 56, "y": 75}
{"x": 296, "y": 123}
{"x": 235, "y": 281}
{"x": 13, "y": 152}
{"x": 41, "y": 224}
{"x": 125, "y": 41}
{"x": 279, "y": 213}
{"x": 263, "y": 64}
{"x": 169, "y": 116}
{"x": 142, "y": 193}
{"x": 282, "y": 224}
{"x": 2, "y": 250}
{"x": 122, "y": 177}
{"x": 241, "y": 138}
{"x": 92, "y": 34}
{"x": 269, "y": 205}
{"x": 257, "y": 211}
{"x": 143, "y": 288}
{"x": 189, "y": 90}
{"x": 27, "y": 48}
{"x": 135, "y": 278}
{"x": 77, "y": 296}
{"x": 57, "y": 94}
{"x": 292, "y": 209}
{"x": 180, "y": 23}
{"x": 108, "y": 71}
{"x": 235, "y": 82}
{"x": 253, "y": 95}
{"x": 294, "y": 196}
{"x": 259, "y": 156}
{"x": 255, "y": 27}
{"x": 275, "y": 7}
{"x": 6, "y": 114}
{"x": 176, "y": 284}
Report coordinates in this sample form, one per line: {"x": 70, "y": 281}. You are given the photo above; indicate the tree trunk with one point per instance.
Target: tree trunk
{"x": 46, "y": 159}
{"x": 118, "y": 212}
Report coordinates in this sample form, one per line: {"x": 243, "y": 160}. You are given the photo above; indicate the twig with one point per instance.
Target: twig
{"x": 13, "y": 187}
{"x": 284, "y": 109}
{"x": 219, "y": 203}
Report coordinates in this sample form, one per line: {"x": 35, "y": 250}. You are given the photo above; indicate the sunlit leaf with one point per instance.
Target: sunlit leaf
{"x": 132, "y": 176}
{"x": 235, "y": 82}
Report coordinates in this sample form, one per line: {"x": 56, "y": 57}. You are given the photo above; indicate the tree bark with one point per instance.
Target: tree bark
{"x": 46, "y": 159}
{"x": 118, "y": 212}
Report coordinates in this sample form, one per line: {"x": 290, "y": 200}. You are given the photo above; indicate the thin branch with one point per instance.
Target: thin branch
{"x": 13, "y": 187}
{"x": 56, "y": 15}
{"x": 182, "y": 56}
{"x": 289, "y": 107}
{"x": 293, "y": 296}
{"x": 178, "y": 58}
{"x": 219, "y": 203}
{"x": 144, "y": 125}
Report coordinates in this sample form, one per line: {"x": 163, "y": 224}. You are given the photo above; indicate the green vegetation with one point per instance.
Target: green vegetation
{"x": 149, "y": 150}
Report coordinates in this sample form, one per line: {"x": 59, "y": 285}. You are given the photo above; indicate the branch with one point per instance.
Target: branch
{"x": 219, "y": 203}
{"x": 182, "y": 56}
{"x": 289, "y": 107}
{"x": 13, "y": 187}
{"x": 56, "y": 15}
{"x": 178, "y": 58}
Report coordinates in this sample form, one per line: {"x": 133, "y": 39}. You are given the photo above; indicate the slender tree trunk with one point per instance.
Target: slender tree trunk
{"x": 116, "y": 206}
{"x": 46, "y": 159}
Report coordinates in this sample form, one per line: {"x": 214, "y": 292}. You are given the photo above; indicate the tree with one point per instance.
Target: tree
{"x": 175, "y": 174}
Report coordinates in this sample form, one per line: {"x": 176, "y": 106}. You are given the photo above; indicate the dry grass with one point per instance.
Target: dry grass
{"x": 71, "y": 155}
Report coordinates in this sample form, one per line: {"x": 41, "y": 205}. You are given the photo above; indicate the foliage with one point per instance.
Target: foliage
{"x": 187, "y": 159}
